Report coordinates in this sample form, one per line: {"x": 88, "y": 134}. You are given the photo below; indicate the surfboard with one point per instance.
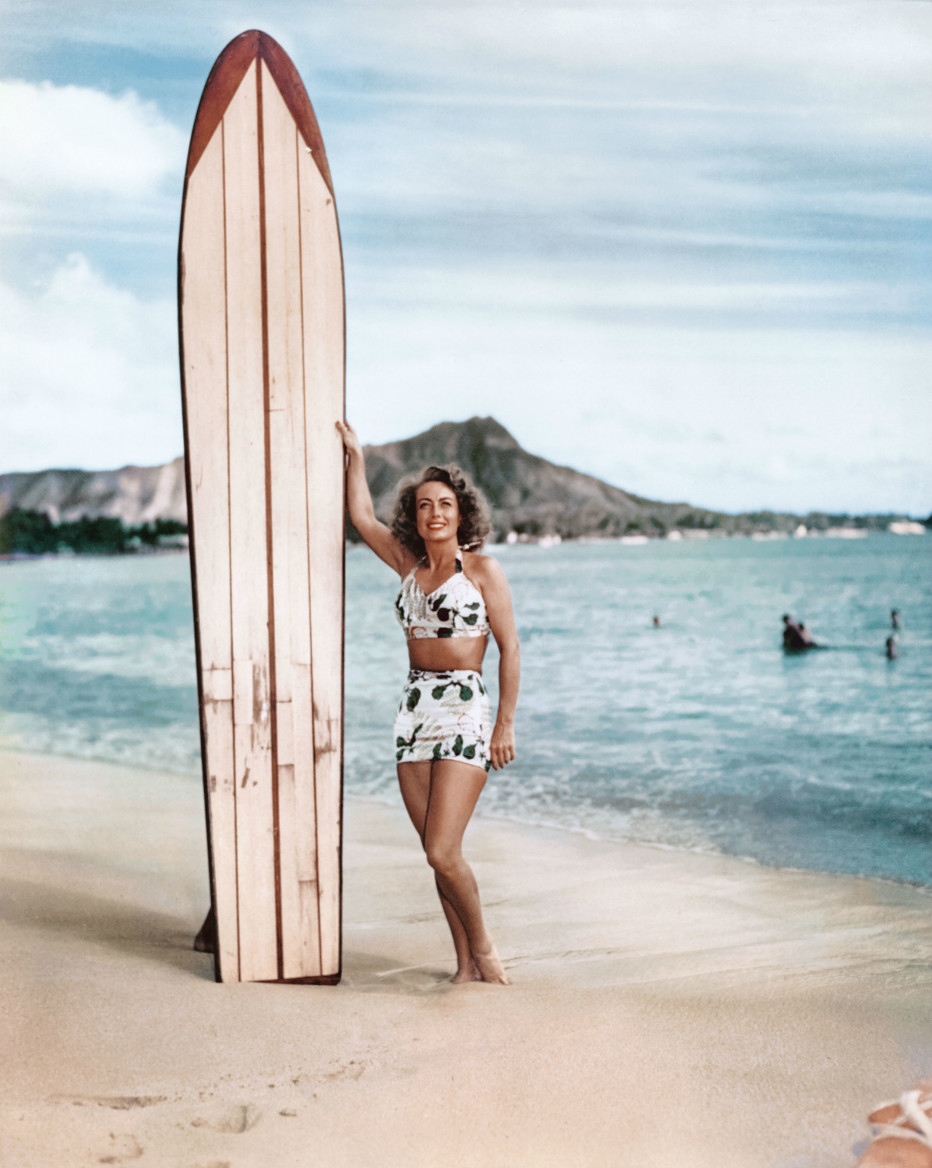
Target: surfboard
{"x": 261, "y": 330}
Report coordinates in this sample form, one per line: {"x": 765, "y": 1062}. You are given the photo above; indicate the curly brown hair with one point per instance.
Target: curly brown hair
{"x": 475, "y": 521}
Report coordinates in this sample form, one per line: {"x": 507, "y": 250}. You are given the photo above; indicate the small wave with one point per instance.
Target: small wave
{"x": 908, "y": 822}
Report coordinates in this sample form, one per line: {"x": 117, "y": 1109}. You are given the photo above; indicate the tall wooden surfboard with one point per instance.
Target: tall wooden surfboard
{"x": 261, "y": 322}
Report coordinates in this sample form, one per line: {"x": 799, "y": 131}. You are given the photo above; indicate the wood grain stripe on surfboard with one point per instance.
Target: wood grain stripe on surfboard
{"x": 261, "y": 317}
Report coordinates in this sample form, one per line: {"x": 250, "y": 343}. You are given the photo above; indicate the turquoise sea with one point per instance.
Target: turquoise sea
{"x": 698, "y": 734}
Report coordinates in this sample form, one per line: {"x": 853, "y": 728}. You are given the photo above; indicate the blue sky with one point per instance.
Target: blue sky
{"x": 684, "y": 247}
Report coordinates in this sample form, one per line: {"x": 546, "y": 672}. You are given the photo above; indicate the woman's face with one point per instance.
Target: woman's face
{"x": 437, "y": 512}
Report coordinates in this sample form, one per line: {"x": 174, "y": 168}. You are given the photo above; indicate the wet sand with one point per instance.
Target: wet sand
{"x": 668, "y": 1010}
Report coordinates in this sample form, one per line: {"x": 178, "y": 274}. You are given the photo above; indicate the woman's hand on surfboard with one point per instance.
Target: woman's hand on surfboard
{"x": 351, "y": 442}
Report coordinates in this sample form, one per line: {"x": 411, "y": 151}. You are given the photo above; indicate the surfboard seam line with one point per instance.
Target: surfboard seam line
{"x": 307, "y": 495}
{"x": 226, "y": 373}
{"x": 269, "y": 529}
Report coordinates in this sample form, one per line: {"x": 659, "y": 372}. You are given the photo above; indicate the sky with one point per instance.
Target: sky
{"x": 684, "y": 247}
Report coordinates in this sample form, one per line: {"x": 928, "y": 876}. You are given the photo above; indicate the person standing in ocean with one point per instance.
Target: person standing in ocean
{"x": 793, "y": 641}
{"x": 451, "y": 600}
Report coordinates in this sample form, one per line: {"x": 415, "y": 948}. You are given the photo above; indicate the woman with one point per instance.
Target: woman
{"x": 449, "y": 603}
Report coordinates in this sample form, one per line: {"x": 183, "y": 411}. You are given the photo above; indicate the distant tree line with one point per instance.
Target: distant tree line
{"x": 32, "y": 533}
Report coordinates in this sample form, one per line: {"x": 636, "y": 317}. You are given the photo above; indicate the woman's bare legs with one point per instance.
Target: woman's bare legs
{"x": 454, "y": 791}
{"x": 414, "y": 780}
{"x": 440, "y": 798}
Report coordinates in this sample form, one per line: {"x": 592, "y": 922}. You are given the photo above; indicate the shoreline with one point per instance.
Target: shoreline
{"x": 530, "y": 825}
{"x": 668, "y": 1009}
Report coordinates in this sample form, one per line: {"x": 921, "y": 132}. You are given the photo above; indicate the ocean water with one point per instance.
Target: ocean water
{"x": 699, "y": 734}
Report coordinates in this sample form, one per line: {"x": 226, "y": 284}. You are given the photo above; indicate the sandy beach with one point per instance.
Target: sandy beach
{"x": 667, "y": 1009}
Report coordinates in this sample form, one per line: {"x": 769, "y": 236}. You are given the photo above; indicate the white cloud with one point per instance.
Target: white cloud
{"x": 733, "y": 419}
{"x": 77, "y": 156}
{"x": 646, "y": 49}
{"x": 685, "y": 145}
{"x": 526, "y": 191}
{"x": 668, "y": 51}
{"x": 90, "y": 375}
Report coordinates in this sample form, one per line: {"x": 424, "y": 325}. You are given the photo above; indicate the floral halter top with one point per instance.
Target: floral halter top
{"x": 455, "y": 608}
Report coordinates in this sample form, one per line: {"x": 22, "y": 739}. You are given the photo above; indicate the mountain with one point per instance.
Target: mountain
{"x": 132, "y": 494}
{"x": 528, "y": 494}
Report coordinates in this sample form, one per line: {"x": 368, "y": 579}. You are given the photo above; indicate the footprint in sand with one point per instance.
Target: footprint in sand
{"x": 122, "y": 1148}
{"x": 231, "y": 1120}
{"x": 114, "y": 1102}
{"x": 350, "y": 1070}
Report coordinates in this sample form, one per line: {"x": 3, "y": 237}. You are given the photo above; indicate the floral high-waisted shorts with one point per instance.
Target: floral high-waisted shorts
{"x": 444, "y": 715}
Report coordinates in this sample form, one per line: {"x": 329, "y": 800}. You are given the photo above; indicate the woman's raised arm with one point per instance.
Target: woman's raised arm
{"x": 359, "y": 504}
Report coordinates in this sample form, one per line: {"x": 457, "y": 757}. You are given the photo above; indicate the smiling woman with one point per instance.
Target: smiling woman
{"x": 451, "y": 600}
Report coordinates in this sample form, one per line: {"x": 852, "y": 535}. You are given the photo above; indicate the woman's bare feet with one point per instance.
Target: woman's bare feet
{"x": 489, "y": 966}
{"x": 467, "y": 972}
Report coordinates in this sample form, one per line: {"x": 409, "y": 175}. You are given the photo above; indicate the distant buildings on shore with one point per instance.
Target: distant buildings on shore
{"x": 693, "y": 535}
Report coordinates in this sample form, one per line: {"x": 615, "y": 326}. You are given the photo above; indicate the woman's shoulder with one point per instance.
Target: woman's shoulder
{"x": 483, "y": 569}
{"x": 407, "y": 562}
